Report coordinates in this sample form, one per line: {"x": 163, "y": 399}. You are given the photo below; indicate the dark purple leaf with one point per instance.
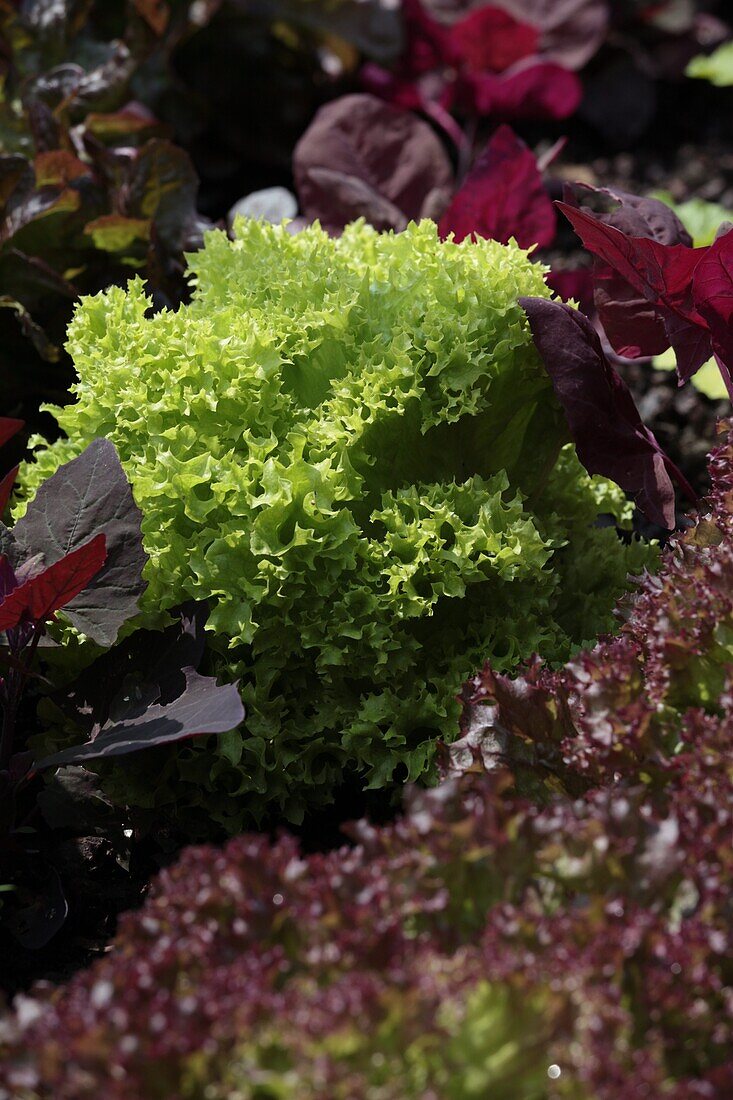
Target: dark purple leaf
{"x": 634, "y": 325}
{"x": 608, "y": 432}
{"x": 37, "y": 599}
{"x": 361, "y": 157}
{"x": 661, "y": 273}
{"x": 203, "y": 708}
{"x": 503, "y": 196}
{"x": 147, "y": 659}
{"x": 89, "y": 495}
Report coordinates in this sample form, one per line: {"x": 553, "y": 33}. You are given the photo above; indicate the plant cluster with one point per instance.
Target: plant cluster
{"x": 107, "y": 116}
{"x": 551, "y": 921}
{"x": 350, "y": 448}
{"x": 78, "y": 549}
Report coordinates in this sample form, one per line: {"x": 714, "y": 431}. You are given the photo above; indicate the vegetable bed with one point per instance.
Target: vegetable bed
{"x": 366, "y": 575}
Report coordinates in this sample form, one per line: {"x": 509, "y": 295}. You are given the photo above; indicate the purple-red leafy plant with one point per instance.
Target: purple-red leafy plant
{"x": 361, "y": 157}
{"x": 78, "y": 549}
{"x": 502, "y": 196}
{"x": 654, "y": 290}
{"x": 560, "y": 902}
{"x": 608, "y": 432}
{"x": 487, "y": 62}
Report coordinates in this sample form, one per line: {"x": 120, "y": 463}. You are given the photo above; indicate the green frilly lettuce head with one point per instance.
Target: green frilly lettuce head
{"x": 352, "y": 451}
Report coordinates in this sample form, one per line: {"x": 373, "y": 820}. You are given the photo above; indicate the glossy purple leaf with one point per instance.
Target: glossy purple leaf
{"x": 608, "y": 432}
{"x": 86, "y": 496}
{"x": 503, "y": 196}
{"x": 576, "y": 284}
{"x": 203, "y": 708}
{"x": 361, "y": 157}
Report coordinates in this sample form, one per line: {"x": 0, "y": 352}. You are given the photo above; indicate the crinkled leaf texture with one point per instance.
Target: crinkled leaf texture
{"x": 89, "y": 495}
{"x": 502, "y": 197}
{"x": 350, "y": 448}
{"x": 202, "y": 708}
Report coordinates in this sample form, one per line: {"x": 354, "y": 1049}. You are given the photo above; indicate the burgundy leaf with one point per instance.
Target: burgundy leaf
{"x": 361, "y": 157}
{"x": 571, "y": 31}
{"x": 503, "y": 196}
{"x": 645, "y": 269}
{"x": 576, "y": 284}
{"x": 634, "y": 325}
{"x": 712, "y": 290}
{"x": 203, "y": 708}
{"x": 46, "y": 593}
{"x": 490, "y": 39}
{"x": 608, "y": 432}
{"x": 9, "y": 427}
{"x": 661, "y": 273}
{"x": 534, "y": 89}
{"x": 6, "y": 487}
{"x": 429, "y": 45}
{"x": 88, "y": 495}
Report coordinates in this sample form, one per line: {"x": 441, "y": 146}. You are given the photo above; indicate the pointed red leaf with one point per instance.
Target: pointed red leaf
{"x": 6, "y": 487}
{"x": 610, "y": 436}
{"x": 490, "y": 40}
{"x": 40, "y": 597}
{"x": 712, "y": 290}
{"x": 662, "y": 273}
{"x": 9, "y": 427}
{"x": 503, "y": 196}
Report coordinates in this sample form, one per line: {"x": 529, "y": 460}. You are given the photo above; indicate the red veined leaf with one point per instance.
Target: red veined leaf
{"x": 503, "y": 196}
{"x": 9, "y": 427}
{"x": 662, "y": 273}
{"x": 41, "y": 596}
